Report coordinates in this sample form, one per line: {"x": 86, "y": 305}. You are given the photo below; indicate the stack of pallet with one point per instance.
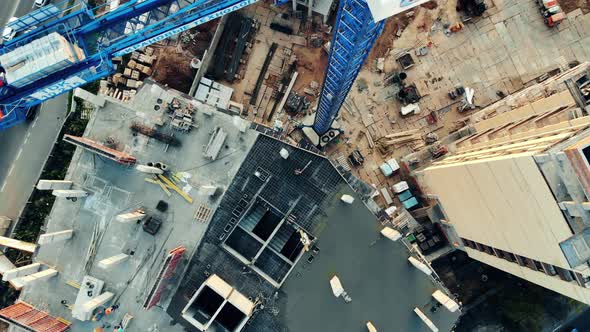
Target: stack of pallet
{"x": 411, "y": 138}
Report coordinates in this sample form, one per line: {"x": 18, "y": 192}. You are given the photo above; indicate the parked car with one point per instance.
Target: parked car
{"x": 41, "y": 3}
{"x": 8, "y": 33}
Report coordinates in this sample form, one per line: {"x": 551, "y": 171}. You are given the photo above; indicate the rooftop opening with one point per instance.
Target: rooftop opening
{"x": 265, "y": 241}
{"x": 217, "y": 306}
{"x": 229, "y": 318}
{"x": 266, "y": 225}
{"x": 586, "y": 153}
{"x": 243, "y": 243}
{"x": 205, "y": 305}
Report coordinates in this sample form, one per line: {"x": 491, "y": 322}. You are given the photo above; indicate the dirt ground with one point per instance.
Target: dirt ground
{"x": 571, "y": 5}
{"x": 311, "y": 66}
{"x": 172, "y": 66}
{"x": 392, "y": 26}
{"x": 201, "y": 38}
{"x": 173, "y": 69}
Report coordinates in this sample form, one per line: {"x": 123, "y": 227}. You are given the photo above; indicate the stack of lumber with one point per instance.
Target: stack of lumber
{"x": 411, "y": 138}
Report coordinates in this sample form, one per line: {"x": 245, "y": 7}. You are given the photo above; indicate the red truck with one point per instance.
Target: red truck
{"x": 551, "y": 11}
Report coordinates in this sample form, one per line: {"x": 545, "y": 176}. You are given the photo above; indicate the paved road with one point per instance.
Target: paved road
{"x": 24, "y": 148}
{"x": 14, "y": 8}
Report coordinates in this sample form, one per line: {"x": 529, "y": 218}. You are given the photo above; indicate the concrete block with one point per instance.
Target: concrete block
{"x": 35, "y": 277}
{"x": 5, "y": 264}
{"x": 21, "y": 271}
{"x": 426, "y": 320}
{"x": 112, "y": 261}
{"x": 446, "y": 301}
{"x": 55, "y": 237}
{"x": 208, "y": 190}
{"x": 420, "y": 266}
{"x": 16, "y": 244}
{"x": 54, "y": 184}
{"x": 131, "y": 217}
{"x": 69, "y": 193}
{"x": 90, "y": 288}
{"x": 149, "y": 169}
{"x": 97, "y": 302}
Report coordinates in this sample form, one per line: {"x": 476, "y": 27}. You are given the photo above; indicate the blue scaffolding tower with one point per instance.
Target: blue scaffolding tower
{"x": 355, "y": 32}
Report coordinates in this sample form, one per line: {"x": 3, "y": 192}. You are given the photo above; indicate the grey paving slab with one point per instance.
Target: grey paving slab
{"x": 586, "y": 45}
{"x": 579, "y": 50}
{"x": 505, "y": 13}
{"x": 582, "y": 24}
{"x": 483, "y": 23}
{"x": 505, "y": 36}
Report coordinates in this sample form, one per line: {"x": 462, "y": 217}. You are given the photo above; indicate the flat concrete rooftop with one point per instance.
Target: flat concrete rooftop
{"x": 384, "y": 287}
{"x": 116, "y": 189}
{"x": 373, "y": 270}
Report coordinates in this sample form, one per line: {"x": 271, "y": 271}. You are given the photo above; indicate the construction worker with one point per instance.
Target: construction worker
{"x": 98, "y": 316}
{"x": 98, "y": 329}
{"x": 110, "y": 309}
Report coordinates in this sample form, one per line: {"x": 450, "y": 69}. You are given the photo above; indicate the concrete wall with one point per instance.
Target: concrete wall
{"x": 206, "y": 61}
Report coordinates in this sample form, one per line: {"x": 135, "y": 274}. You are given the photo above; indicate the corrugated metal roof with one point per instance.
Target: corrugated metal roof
{"x": 26, "y": 316}
{"x": 15, "y": 310}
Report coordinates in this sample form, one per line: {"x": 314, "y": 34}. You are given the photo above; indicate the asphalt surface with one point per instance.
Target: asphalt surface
{"x": 25, "y": 147}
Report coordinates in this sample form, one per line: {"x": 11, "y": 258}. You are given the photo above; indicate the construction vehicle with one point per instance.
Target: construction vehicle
{"x": 583, "y": 84}
{"x": 437, "y": 150}
{"x": 551, "y": 11}
{"x": 70, "y": 45}
{"x": 356, "y": 158}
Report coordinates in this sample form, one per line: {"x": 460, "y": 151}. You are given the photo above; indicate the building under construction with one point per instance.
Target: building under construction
{"x": 232, "y": 230}
{"x": 514, "y": 193}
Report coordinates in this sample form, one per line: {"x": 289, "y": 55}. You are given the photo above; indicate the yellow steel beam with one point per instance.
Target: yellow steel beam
{"x": 175, "y": 188}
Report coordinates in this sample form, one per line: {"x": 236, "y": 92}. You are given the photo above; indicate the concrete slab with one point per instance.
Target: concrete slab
{"x": 114, "y": 190}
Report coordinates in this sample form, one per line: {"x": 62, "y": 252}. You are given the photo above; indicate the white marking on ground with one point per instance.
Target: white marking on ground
{"x": 14, "y": 8}
{"x": 10, "y": 171}
{"x": 19, "y": 153}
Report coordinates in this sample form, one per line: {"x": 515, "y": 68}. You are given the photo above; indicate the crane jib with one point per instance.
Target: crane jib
{"x": 184, "y": 27}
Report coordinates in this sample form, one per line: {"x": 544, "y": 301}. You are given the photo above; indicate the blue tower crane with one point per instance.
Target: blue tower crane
{"x": 355, "y": 32}
{"x": 69, "y": 47}
{"x": 79, "y": 46}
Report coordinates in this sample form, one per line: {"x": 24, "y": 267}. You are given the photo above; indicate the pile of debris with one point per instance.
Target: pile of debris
{"x": 313, "y": 89}
{"x": 123, "y": 85}
{"x": 182, "y": 117}
{"x": 152, "y": 132}
{"x": 296, "y": 103}
{"x": 411, "y": 138}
